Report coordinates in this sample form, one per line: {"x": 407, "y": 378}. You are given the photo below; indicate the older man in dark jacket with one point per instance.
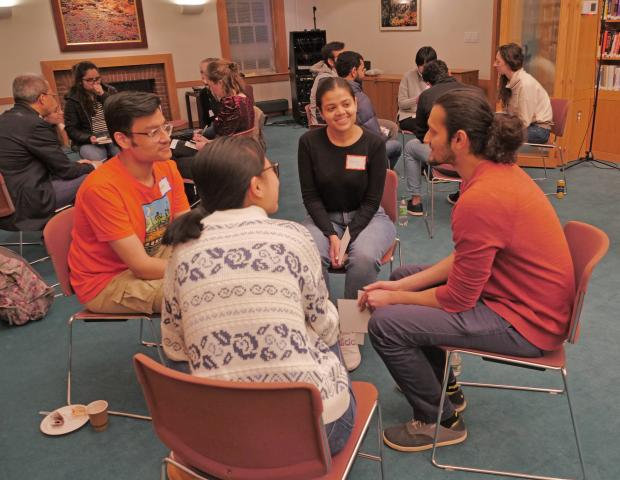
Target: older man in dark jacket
{"x": 38, "y": 175}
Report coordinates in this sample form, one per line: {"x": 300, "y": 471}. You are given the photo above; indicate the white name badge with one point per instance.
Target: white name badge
{"x": 190, "y": 144}
{"x": 164, "y": 186}
{"x": 173, "y": 143}
{"x": 356, "y": 162}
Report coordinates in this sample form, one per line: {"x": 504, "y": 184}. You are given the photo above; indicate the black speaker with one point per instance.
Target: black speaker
{"x": 304, "y": 51}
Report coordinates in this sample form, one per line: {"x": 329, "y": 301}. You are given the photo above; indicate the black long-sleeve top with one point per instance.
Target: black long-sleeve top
{"x": 327, "y": 185}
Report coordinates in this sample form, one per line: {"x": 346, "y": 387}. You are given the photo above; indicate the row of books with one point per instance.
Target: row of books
{"x": 611, "y": 43}
{"x": 610, "y": 77}
{"x": 612, "y": 9}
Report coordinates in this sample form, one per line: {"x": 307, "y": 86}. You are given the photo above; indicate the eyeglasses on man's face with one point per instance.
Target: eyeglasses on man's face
{"x": 276, "y": 169}
{"x": 92, "y": 80}
{"x": 156, "y": 133}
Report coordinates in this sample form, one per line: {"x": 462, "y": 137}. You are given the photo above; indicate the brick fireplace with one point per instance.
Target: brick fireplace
{"x": 155, "y": 70}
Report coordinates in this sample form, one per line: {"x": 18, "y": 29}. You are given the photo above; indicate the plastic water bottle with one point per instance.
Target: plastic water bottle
{"x": 457, "y": 364}
{"x": 403, "y": 217}
{"x": 560, "y": 189}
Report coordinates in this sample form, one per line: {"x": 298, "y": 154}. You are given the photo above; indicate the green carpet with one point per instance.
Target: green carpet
{"x": 508, "y": 430}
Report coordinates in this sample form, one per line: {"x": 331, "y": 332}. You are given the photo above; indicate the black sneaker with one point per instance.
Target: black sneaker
{"x": 415, "y": 210}
{"x": 453, "y": 197}
{"x": 416, "y": 436}
{"x": 456, "y": 397}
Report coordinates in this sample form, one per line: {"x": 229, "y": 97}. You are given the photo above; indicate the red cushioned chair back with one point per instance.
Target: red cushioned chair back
{"x": 236, "y": 430}
{"x": 588, "y": 245}
{"x": 389, "y": 201}
{"x": 559, "y": 106}
{"x": 57, "y": 239}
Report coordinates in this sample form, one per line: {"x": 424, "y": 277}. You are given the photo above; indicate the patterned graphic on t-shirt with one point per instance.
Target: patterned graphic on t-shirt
{"x": 156, "y": 219}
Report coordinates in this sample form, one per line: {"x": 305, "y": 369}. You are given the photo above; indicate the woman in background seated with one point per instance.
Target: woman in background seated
{"x": 342, "y": 174}
{"x": 236, "y": 112}
{"x": 244, "y": 295}
{"x": 84, "y": 120}
{"x": 522, "y": 95}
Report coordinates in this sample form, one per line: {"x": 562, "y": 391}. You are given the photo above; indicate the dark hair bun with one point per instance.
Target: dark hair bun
{"x": 505, "y": 138}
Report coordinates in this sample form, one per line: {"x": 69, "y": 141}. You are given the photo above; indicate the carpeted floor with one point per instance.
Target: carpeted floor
{"x": 506, "y": 429}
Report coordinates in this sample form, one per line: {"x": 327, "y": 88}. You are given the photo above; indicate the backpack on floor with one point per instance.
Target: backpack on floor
{"x": 24, "y": 295}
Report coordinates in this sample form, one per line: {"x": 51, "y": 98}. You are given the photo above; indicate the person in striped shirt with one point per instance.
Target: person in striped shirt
{"x": 84, "y": 120}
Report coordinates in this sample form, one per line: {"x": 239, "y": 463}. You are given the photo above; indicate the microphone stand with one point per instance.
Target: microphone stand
{"x": 314, "y": 17}
{"x": 589, "y": 157}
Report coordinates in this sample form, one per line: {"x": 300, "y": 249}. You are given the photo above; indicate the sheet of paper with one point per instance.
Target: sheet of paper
{"x": 344, "y": 244}
{"x": 351, "y": 319}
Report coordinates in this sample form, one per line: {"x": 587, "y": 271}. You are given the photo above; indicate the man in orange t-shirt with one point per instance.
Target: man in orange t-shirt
{"x": 122, "y": 211}
{"x": 507, "y": 287}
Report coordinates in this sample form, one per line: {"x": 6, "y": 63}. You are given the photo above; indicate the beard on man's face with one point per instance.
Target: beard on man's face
{"x": 445, "y": 157}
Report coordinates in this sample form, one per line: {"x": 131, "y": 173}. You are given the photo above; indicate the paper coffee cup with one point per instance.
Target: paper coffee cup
{"x": 98, "y": 414}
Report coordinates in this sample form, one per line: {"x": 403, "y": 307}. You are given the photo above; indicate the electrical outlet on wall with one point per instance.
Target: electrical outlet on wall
{"x": 472, "y": 37}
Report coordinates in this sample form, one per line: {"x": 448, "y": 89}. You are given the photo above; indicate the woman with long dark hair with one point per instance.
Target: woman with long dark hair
{"x": 244, "y": 295}
{"x": 84, "y": 120}
{"x": 342, "y": 174}
{"x": 521, "y": 94}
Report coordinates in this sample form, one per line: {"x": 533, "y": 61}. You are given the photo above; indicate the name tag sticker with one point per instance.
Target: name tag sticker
{"x": 173, "y": 143}
{"x": 164, "y": 186}
{"x": 356, "y": 162}
{"x": 190, "y": 144}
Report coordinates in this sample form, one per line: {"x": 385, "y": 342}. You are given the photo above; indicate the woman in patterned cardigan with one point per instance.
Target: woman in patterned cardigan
{"x": 244, "y": 295}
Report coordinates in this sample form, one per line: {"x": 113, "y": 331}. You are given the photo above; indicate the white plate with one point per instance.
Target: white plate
{"x": 71, "y": 424}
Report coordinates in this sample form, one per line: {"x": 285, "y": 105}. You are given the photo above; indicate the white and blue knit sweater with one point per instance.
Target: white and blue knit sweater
{"x": 247, "y": 302}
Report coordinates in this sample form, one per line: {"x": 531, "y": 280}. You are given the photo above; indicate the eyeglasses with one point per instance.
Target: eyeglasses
{"x": 165, "y": 129}
{"x": 276, "y": 169}
{"x": 55, "y": 95}
{"x": 92, "y": 80}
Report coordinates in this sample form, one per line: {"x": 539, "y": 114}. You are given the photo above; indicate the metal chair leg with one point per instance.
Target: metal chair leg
{"x": 143, "y": 342}
{"x": 436, "y": 463}
{"x": 572, "y": 418}
{"x": 70, "y": 323}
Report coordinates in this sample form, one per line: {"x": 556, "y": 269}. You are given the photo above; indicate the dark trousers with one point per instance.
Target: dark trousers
{"x": 407, "y": 124}
{"x": 406, "y": 338}
{"x": 65, "y": 190}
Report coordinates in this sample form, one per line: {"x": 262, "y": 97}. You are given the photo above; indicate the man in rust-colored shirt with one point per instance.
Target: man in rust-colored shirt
{"x": 507, "y": 286}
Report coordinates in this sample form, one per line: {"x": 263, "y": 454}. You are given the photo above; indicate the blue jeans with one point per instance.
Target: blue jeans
{"x": 536, "y": 134}
{"x": 98, "y": 152}
{"x": 393, "y": 149}
{"x": 339, "y": 431}
{"x": 407, "y": 338}
{"x": 365, "y": 251}
{"x": 416, "y": 154}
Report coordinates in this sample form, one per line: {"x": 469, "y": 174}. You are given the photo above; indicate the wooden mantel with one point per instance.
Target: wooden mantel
{"x": 48, "y": 67}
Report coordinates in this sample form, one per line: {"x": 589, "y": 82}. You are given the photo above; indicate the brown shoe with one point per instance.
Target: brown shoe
{"x": 416, "y": 436}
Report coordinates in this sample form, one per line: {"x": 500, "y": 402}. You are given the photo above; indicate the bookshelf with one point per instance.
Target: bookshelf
{"x": 606, "y": 146}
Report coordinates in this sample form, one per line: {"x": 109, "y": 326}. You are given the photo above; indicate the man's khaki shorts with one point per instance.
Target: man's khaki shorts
{"x": 127, "y": 293}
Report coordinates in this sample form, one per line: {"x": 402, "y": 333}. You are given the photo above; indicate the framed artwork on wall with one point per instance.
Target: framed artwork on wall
{"x": 99, "y": 25}
{"x": 397, "y": 15}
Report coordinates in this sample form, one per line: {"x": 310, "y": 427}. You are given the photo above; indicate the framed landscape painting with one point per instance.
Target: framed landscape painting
{"x": 99, "y": 24}
{"x": 399, "y": 15}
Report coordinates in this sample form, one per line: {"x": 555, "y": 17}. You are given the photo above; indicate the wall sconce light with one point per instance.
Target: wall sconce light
{"x": 6, "y": 8}
{"x": 191, "y": 7}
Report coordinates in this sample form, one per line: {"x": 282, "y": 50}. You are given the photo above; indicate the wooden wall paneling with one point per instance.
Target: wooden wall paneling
{"x": 606, "y": 145}
{"x": 222, "y": 25}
